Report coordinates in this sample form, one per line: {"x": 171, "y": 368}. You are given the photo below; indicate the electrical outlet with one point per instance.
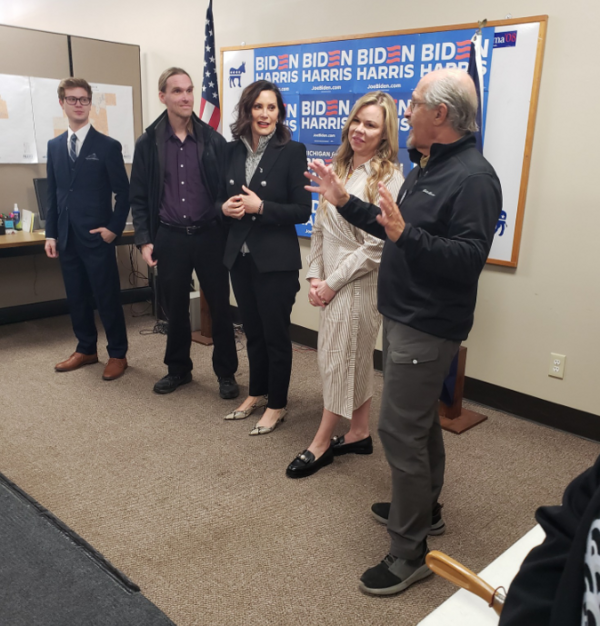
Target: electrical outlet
{"x": 557, "y": 365}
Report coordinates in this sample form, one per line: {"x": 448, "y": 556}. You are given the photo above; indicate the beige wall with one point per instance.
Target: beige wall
{"x": 551, "y": 302}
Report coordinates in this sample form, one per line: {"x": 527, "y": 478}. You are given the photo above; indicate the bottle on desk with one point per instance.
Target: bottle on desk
{"x": 17, "y": 217}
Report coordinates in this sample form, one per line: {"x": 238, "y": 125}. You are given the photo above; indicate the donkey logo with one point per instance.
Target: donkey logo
{"x": 235, "y": 74}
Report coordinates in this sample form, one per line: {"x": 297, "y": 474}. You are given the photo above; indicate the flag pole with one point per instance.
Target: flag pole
{"x": 210, "y": 113}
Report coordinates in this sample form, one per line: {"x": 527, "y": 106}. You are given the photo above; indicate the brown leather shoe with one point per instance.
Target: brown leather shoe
{"x": 115, "y": 368}
{"x": 75, "y": 361}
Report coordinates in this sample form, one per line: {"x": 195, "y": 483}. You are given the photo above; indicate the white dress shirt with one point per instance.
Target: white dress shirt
{"x": 81, "y": 135}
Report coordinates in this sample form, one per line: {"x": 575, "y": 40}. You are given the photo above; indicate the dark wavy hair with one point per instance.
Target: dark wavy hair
{"x": 242, "y": 126}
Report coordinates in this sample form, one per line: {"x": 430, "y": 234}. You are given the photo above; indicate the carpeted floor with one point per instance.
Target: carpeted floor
{"x": 202, "y": 517}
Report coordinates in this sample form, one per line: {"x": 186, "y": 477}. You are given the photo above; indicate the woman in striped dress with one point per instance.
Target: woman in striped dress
{"x": 343, "y": 268}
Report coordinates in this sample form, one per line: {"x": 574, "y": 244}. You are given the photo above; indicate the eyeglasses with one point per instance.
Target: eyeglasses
{"x": 73, "y": 100}
{"x": 413, "y": 103}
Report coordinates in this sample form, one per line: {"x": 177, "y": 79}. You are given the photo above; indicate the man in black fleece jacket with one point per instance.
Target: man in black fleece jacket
{"x": 438, "y": 234}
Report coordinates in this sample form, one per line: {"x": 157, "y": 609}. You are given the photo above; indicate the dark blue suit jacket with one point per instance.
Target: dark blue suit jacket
{"x": 81, "y": 196}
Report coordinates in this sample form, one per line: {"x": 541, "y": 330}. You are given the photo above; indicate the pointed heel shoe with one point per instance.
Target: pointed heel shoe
{"x": 244, "y": 413}
{"x": 265, "y": 430}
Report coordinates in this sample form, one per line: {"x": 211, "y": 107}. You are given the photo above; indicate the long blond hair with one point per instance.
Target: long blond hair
{"x": 385, "y": 162}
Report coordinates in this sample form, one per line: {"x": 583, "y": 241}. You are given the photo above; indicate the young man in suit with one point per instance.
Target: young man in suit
{"x": 85, "y": 168}
{"x": 178, "y": 170}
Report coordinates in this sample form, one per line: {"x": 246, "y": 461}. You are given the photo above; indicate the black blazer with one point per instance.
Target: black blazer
{"x": 279, "y": 181}
{"x": 81, "y": 196}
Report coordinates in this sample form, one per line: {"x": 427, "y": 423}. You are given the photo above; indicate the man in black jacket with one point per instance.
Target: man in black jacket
{"x": 177, "y": 171}
{"x": 437, "y": 234}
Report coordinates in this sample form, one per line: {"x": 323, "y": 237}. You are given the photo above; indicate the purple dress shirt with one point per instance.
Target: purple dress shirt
{"x": 185, "y": 201}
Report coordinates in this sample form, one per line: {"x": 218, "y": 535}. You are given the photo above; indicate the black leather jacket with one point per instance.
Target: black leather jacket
{"x": 148, "y": 173}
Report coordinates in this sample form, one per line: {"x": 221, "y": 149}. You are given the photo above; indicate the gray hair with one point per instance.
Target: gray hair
{"x": 460, "y": 99}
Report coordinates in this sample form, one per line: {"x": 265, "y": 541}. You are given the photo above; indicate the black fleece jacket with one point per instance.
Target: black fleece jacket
{"x": 428, "y": 278}
{"x": 148, "y": 173}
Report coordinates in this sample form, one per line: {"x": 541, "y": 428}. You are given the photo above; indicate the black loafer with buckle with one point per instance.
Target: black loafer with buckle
{"x": 364, "y": 446}
{"x": 305, "y": 463}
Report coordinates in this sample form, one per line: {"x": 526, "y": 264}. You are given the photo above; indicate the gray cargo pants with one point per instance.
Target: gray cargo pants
{"x": 415, "y": 365}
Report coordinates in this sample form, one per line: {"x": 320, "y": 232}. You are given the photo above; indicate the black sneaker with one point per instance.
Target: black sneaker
{"x": 393, "y": 575}
{"x": 228, "y": 388}
{"x": 381, "y": 512}
{"x": 170, "y": 382}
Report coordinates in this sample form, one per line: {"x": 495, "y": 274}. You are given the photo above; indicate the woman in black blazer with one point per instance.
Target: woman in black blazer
{"x": 265, "y": 199}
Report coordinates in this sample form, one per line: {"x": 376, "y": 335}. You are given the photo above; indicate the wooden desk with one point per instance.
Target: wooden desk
{"x": 20, "y": 243}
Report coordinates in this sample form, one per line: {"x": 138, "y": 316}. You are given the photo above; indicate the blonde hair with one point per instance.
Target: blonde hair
{"x": 72, "y": 83}
{"x": 385, "y": 161}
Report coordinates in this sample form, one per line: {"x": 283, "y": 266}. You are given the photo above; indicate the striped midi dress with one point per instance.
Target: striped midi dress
{"x": 348, "y": 259}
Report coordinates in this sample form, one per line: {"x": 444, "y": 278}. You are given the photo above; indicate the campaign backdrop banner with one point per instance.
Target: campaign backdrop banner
{"x": 321, "y": 81}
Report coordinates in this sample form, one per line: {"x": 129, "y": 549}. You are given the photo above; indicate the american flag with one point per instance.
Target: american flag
{"x": 475, "y": 71}
{"x": 210, "y": 111}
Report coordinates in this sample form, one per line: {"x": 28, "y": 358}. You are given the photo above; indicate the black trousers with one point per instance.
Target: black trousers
{"x": 178, "y": 254}
{"x": 91, "y": 276}
{"x": 265, "y": 302}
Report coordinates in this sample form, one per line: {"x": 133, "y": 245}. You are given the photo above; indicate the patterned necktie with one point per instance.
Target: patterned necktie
{"x": 73, "y": 148}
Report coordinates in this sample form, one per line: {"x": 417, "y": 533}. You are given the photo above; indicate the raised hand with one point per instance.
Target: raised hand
{"x": 390, "y": 218}
{"x": 327, "y": 183}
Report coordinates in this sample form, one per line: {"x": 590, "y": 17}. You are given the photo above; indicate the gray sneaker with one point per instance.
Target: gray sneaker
{"x": 393, "y": 575}
{"x": 381, "y": 512}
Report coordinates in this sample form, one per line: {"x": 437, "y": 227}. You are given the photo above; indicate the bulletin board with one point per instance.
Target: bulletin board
{"x": 320, "y": 81}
